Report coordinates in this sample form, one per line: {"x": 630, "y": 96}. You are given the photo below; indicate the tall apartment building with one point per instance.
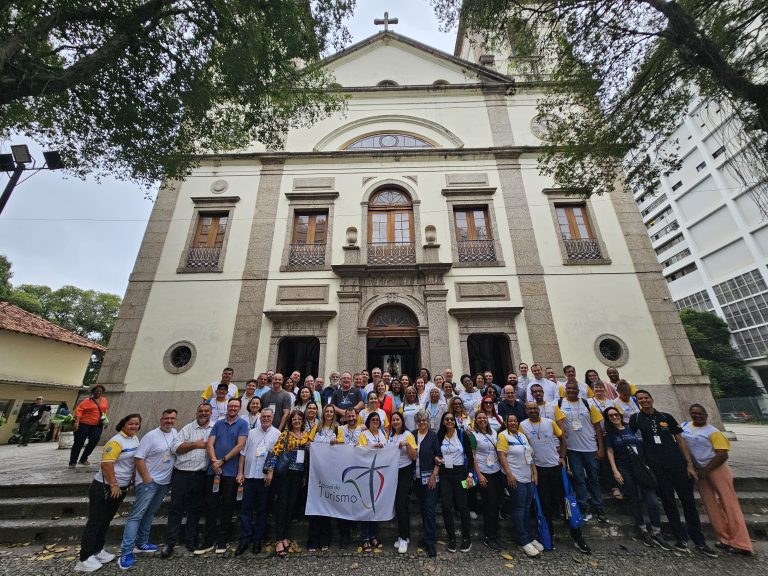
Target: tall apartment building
{"x": 709, "y": 233}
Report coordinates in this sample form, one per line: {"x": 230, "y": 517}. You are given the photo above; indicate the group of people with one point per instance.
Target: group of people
{"x": 471, "y": 445}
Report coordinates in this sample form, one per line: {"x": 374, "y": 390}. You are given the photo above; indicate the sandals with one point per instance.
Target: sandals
{"x": 367, "y": 546}
{"x": 375, "y": 542}
{"x": 280, "y": 550}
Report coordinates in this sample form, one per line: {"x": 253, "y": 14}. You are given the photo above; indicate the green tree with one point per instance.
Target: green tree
{"x": 137, "y": 88}
{"x": 718, "y": 359}
{"x": 89, "y": 313}
{"x": 620, "y": 75}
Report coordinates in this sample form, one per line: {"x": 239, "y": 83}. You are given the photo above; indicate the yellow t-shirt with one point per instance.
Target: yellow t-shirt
{"x": 326, "y": 435}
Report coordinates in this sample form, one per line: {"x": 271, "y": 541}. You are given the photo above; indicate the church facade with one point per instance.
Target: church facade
{"x": 412, "y": 230}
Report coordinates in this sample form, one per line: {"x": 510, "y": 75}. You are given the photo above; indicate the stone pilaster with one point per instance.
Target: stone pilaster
{"x": 437, "y": 318}
{"x": 248, "y": 322}
{"x": 348, "y": 343}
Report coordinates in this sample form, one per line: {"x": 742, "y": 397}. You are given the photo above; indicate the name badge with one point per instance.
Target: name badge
{"x": 273, "y": 407}
{"x": 167, "y": 457}
{"x": 490, "y": 460}
{"x": 300, "y": 457}
{"x": 657, "y": 439}
{"x": 448, "y": 462}
{"x": 576, "y": 425}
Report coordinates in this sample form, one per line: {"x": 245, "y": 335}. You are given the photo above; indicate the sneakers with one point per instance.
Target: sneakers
{"x": 581, "y": 546}
{"x": 530, "y": 550}
{"x": 201, "y": 551}
{"x": 220, "y": 550}
{"x": 473, "y": 514}
{"x": 402, "y": 548}
{"x": 646, "y": 538}
{"x": 466, "y": 545}
{"x": 658, "y": 539}
{"x": 144, "y": 548}
{"x": 126, "y": 562}
{"x": 587, "y": 517}
{"x": 91, "y": 564}
{"x": 601, "y": 517}
{"x": 538, "y": 545}
{"x": 452, "y": 545}
{"x": 491, "y": 544}
{"x": 104, "y": 557}
{"x": 681, "y": 546}
{"x": 706, "y": 550}
{"x": 397, "y": 543}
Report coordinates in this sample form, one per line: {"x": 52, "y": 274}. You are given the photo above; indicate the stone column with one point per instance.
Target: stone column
{"x": 349, "y": 314}
{"x": 437, "y": 318}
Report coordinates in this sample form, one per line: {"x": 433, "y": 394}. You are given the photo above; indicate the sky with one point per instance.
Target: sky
{"x": 59, "y": 230}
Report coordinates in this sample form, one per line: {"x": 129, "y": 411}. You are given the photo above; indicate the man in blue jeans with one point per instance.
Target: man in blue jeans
{"x": 585, "y": 447}
{"x": 154, "y": 468}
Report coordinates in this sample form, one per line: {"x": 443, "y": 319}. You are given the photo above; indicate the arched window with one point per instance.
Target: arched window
{"x": 388, "y": 140}
{"x": 390, "y": 227}
{"x": 392, "y": 321}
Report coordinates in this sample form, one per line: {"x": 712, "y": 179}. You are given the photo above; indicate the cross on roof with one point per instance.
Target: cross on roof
{"x": 386, "y": 21}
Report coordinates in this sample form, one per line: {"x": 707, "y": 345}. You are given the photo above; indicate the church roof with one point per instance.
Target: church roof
{"x": 481, "y": 71}
{"x": 15, "y": 319}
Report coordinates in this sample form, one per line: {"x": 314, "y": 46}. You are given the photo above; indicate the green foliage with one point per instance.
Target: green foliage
{"x": 710, "y": 340}
{"x": 137, "y": 88}
{"x": 89, "y": 313}
{"x": 619, "y": 75}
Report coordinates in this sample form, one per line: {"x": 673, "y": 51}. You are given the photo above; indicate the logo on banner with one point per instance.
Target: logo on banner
{"x": 375, "y": 481}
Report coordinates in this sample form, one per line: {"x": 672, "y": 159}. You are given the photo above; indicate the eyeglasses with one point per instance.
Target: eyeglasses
{"x": 449, "y": 419}
{"x": 488, "y": 403}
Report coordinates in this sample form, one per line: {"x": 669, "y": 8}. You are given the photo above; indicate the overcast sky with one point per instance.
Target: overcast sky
{"x": 57, "y": 230}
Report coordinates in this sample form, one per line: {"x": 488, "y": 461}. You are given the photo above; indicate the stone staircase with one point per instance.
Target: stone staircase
{"x": 46, "y": 513}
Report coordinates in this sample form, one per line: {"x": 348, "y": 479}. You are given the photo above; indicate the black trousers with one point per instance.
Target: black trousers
{"x": 218, "y": 510}
{"x": 289, "y": 485}
{"x": 454, "y": 495}
{"x": 84, "y": 432}
{"x": 552, "y": 496}
{"x": 404, "y": 483}
{"x": 318, "y": 531}
{"x": 101, "y": 509}
{"x": 27, "y": 429}
{"x": 493, "y": 496}
{"x": 675, "y": 479}
{"x": 187, "y": 498}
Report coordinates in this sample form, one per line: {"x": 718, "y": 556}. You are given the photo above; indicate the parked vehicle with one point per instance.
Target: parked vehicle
{"x": 737, "y": 416}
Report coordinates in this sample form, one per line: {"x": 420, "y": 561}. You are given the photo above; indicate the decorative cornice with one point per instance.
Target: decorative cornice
{"x": 314, "y": 195}
{"x": 486, "y": 311}
{"x": 215, "y": 199}
{"x": 469, "y": 191}
{"x": 294, "y": 315}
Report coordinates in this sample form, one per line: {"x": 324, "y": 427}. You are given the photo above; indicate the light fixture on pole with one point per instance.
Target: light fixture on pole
{"x": 16, "y": 163}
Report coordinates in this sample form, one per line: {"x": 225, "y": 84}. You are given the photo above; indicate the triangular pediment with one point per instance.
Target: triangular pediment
{"x": 388, "y": 56}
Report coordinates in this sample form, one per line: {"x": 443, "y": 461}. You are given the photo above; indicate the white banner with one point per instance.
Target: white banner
{"x": 352, "y": 483}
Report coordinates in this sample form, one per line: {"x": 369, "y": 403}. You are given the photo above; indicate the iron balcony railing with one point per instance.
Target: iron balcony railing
{"x": 391, "y": 253}
{"x": 203, "y": 258}
{"x": 582, "y": 249}
{"x": 306, "y": 255}
{"x": 476, "y": 251}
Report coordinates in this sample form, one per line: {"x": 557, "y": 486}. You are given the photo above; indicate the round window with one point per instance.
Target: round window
{"x": 611, "y": 350}
{"x": 179, "y": 357}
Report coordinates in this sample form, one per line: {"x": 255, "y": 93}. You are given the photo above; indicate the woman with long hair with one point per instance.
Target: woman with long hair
{"x": 385, "y": 399}
{"x": 490, "y": 480}
{"x": 516, "y": 457}
{"x": 398, "y": 394}
{"x": 373, "y": 437}
{"x": 591, "y": 377}
{"x": 107, "y": 491}
{"x": 410, "y": 407}
{"x": 456, "y": 466}
{"x": 420, "y": 385}
{"x": 309, "y": 382}
{"x": 311, "y": 418}
{"x": 293, "y": 442}
{"x": 471, "y": 395}
{"x": 456, "y": 408}
{"x": 488, "y": 407}
{"x": 405, "y": 441}
{"x": 303, "y": 398}
{"x": 327, "y": 431}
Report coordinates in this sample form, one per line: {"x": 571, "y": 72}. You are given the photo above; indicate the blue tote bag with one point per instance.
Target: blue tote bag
{"x": 572, "y": 512}
{"x": 544, "y": 536}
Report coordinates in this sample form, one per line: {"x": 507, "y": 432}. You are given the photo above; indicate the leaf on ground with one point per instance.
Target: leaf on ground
{"x": 507, "y": 556}
{"x": 430, "y": 568}
{"x": 577, "y": 559}
{"x": 377, "y": 550}
{"x": 509, "y": 565}
{"x": 354, "y": 566}
{"x": 69, "y": 558}
{"x": 593, "y": 563}
{"x": 45, "y": 557}
{"x": 61, "y": 549}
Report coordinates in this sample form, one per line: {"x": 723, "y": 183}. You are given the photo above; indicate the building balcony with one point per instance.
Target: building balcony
{"x": 476, "y": 251}
{"x": 385, "y": 253}
{"x": 582, "y": 249}
{"x": 306, "y": 255}
{"x": 203, "y": 258}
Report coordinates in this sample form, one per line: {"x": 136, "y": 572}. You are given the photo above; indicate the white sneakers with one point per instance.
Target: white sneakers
{"x": 402, "y": 545}
{"x": 104, "y": 557}
{"x": 473, "y": 514}
{"x": 537, "y": 545}
{"x": 90, "y": 565}
{"x": 530, "y": 550}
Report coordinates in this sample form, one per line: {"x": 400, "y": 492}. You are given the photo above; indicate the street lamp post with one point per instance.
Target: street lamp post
{"x": 16, "y": 163}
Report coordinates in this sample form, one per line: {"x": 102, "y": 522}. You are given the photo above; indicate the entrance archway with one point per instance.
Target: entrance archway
{"x": 393, "y": 341}
{"x": 300, "y": 353}
{"x": 490, "y": 352}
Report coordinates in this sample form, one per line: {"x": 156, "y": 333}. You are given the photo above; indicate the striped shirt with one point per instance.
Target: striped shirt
{"x": 197, "y": 458}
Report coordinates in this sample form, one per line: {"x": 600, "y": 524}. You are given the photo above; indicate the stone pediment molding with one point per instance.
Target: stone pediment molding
{"x": 300, "y": 315}
{"x": 499, "y": 312}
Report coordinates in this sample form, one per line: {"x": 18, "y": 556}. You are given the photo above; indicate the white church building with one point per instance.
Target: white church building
{"x": 412, "y": 230}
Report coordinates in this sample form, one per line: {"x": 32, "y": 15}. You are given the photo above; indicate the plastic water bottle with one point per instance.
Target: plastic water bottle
{"x": 216, "y": 483}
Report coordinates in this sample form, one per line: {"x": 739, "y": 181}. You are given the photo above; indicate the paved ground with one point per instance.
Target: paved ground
{"x": 610, "y": 558}
{"x": 44, "y": 464}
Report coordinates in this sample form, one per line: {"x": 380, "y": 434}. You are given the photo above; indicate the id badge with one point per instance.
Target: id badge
{"x": 490, "y": 460}
{"x": 167, "y": 457}
{"x": 576, "y": 425}
{"x": 273, "y": 407}
{"x": 657, "y": 439}
{"x": 448, "y": 462}
{"x": 300, "y": 457}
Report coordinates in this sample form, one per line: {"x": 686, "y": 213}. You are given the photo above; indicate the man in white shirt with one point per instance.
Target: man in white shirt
{"x": 188, "y": 485}
{"x": 375, "y": 377}
{"x": 457, "y": 386}
{"x": 154, "y": 467}
{"x": 256, "y": 484}
{"x": 551, "y": 389}
{"x": 226, "y": 378}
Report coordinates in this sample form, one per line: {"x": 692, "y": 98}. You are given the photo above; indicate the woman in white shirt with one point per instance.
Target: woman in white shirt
{"x": 325, "y": 432}
{"x": 420, "y": 384}
{"x": 516, "y": 456}
{"x": 404, "y": 440}
{"x": 410, "y": 407}
{"x": 253, "y": 412}
{"x": 373, "y": 437}
{"x": 490, "y": 480}
{"x": 456, "y": 408}
{"x": 435, "y": 408}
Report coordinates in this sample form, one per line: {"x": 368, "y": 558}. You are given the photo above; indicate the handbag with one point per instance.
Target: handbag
{"x": 572, "y": 511}
{"x": 641, "y": 472}
{"x": 284, "y": 459}
{"x": 544, "y": 536}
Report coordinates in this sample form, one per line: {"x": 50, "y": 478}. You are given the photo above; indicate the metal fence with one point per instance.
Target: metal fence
{"x": 752, "y": 409}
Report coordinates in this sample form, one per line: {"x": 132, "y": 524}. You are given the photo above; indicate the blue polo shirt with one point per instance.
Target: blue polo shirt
{"x": 226, "y": 438}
